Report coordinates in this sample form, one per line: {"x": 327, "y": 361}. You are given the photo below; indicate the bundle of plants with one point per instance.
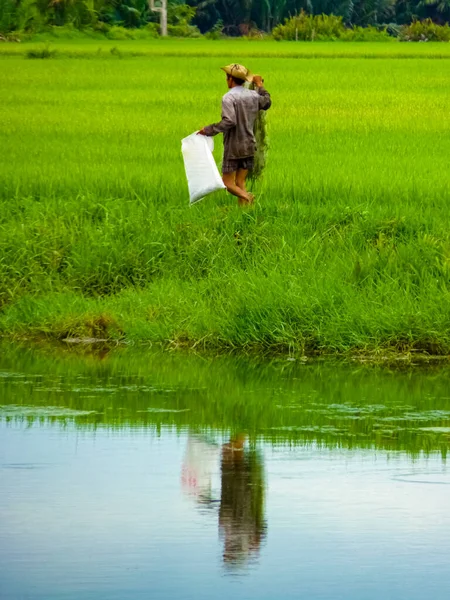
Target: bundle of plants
{"x": 262, "y": 143}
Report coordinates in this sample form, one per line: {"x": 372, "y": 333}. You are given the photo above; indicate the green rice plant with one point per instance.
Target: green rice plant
{"x": 87, "y": 45}
{"x": 346, "y": 249}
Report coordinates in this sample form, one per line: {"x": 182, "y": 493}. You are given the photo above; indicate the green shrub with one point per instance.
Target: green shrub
{"x": 118, "y": 33}
{"x": 69, "y": 32}
{"x": 13, "y": 36}
{"x": 183, "y": 30}
{"x": 255, "y": 34}
{"x": 180, "y": 14}
{"x": 152, "y": 30}
{"x": 101, "y": 27}
{"x": 393, "y": 29}
{"x": 425, "y": 31}
{"x": 309, "y": 27}
{"x": 179, "y": 17}
{"x": 216, "y": 32}
{"x": 365, "y": 34}
{"x": 305, "y": 27}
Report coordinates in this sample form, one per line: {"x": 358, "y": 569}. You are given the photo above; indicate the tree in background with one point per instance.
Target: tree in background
{"x": 230, "y": 17}
{"x": 437, "y": 10}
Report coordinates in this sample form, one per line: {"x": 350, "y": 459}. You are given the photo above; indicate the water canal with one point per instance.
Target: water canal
{"x": 135, "y": 474}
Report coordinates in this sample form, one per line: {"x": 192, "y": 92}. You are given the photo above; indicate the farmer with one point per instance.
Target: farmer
{"x": 240, "y": 107}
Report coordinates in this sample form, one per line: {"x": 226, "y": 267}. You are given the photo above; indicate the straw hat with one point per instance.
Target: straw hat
{"x": 238, "y": 71}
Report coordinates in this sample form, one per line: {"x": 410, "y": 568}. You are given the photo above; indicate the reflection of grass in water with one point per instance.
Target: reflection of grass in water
{"x": 332, "y": 405}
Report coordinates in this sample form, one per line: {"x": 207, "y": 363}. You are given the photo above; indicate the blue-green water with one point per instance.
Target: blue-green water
{"x": 130, "y": 474}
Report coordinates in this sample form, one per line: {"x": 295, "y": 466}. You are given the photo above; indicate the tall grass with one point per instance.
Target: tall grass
{"x": 348, "y": 247}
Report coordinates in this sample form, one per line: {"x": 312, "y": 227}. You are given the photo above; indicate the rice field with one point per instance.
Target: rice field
{"x": 84, "y": 47}
{"x": 347, "y": 248}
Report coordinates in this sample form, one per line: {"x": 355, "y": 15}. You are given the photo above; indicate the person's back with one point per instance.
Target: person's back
{"x": 239, "y": 141}
{"x": 240, "y": 108}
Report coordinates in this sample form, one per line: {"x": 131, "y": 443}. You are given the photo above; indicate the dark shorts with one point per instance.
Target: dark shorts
{"x": 230, "y": 165}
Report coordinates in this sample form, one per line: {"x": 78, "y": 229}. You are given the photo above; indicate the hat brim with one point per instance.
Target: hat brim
{"x": 249, "y": 76}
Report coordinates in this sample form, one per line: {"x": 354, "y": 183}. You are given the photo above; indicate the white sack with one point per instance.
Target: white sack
{"x": 201, "y": 171}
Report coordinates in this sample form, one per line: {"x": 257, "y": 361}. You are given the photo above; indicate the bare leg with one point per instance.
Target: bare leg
{"x": 241, "y": 176}
{"x": 229, "y": 180}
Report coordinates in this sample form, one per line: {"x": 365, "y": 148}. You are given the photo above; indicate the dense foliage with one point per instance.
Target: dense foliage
{"x": 326, "y": 27}
{"x": 228, "y": 17}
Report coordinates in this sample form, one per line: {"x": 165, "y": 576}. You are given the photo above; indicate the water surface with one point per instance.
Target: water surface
{"x": 132, "y": 474}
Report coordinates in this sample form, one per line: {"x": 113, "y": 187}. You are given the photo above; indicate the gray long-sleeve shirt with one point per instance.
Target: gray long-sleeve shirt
{"x": 240, "y": 107}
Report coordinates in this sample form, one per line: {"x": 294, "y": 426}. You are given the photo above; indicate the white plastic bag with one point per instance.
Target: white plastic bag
{"x": 201, "y": 171}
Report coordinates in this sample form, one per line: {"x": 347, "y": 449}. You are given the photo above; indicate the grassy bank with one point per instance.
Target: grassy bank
{"x": 348, "y": 247}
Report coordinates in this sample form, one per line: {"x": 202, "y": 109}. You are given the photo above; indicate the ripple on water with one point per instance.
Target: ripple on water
{"x": 23, "y": 466}
{"x": 9, "y": 375}
{"x": 428, "y": 478}
{"x": 426, "y": 415}
{"x": 121, "y": 388}
{"x": 435, "y": 429}
{"x": 164, "y": 410}
{"x": 14, "y": 410}
{"x": 311, "y": 429}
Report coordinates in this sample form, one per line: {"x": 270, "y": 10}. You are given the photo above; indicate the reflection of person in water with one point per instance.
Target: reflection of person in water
{"x": 241, "y": 514}
{"x": 199, "y": 463}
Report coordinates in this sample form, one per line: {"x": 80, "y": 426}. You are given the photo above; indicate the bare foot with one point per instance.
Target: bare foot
{"x": 246, "y": 200}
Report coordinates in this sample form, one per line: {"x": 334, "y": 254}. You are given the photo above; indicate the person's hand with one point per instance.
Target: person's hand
{"x": 201, "y": 132}
{"x": 258, "y": 80}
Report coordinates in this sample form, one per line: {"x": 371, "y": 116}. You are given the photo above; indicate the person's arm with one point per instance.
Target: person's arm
{"x": 265, "y": 101}
{"x": 228, "y": 119}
